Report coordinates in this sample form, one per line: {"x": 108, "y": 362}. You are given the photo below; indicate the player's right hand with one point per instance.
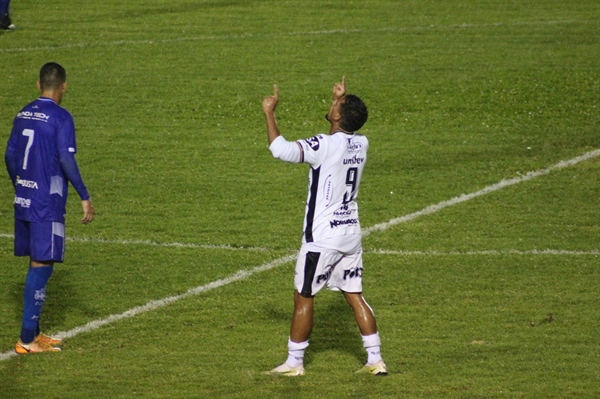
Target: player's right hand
{"x": 270, "y": 102}
{"x": 339, "y": 89}
{"x": 88, "y": 211}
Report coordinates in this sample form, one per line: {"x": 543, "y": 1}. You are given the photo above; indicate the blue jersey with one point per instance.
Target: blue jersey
{"x": 41, "y": 132}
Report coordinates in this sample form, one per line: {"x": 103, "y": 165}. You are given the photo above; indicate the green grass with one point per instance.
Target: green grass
{"x": 166, "y": 97}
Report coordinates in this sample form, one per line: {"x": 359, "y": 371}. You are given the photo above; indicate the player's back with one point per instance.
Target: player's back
{"x": 337, "y": 163}
{"x": 40, "y": 131}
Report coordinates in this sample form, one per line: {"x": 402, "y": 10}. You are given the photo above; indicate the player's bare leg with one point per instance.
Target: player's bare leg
{"x": 365, "y": 318}
{"x": 302, "y": 319}
{"x": 362, "y": 313}
{"x": 300, "y": 330}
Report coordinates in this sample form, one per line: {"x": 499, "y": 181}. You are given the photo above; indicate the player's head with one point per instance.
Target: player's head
{"x": 353, "y": 112}
{"x": 349, "y": 113}
{"x": 52, "y": 77}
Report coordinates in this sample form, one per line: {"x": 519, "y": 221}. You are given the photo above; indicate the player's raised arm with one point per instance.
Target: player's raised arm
{"x": 269, "y": 104}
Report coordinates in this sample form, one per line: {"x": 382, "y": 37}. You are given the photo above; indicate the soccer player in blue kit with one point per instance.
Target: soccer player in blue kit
{"x": 331, "y": 252}
{"x": 5, "y": 22}
{"x": 40, "y": 159}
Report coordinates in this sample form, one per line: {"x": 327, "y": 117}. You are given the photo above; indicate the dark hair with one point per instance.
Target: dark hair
{"x": 52, "y": 76}
{"x": 354, "y": 113}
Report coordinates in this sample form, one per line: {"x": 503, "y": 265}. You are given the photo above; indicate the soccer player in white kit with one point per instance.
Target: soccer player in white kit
{"x": 331, "y": 252}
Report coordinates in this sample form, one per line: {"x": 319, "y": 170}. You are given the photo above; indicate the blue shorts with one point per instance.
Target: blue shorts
{"x": 41, "y": 241}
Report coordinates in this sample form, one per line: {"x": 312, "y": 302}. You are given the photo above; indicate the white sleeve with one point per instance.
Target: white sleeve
{"x": 288, "y": 151}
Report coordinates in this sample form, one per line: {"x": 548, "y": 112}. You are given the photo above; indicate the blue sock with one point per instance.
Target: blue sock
{"x": 34, "y": 295}
{"x": 4, "y": 7}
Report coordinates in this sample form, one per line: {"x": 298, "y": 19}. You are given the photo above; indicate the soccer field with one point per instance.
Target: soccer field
{"x": 480, "y": 201}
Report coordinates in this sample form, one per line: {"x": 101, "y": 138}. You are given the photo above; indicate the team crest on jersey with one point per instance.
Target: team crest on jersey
{"x": 353, "y": 146}
{"x": 313, "y": 142}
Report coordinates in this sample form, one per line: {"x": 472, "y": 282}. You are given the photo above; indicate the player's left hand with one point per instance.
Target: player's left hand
{"x": 88, "y": 211}
{"x": 270, "y": 102}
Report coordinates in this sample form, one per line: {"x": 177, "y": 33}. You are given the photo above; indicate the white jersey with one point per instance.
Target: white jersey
{"x": 337, "y": 162}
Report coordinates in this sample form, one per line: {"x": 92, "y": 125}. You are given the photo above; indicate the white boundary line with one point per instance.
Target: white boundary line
{"x": 243, "y": 274}
{"x": 290, "y": 34}
{"x": 157, "y": 244}
{"x": 372, "y": 251}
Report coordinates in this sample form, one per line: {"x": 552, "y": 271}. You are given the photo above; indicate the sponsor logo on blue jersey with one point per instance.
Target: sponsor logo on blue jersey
{"x": 27, "y": 183}
{"x": 36, "y": 116}
{"x": 24, "y": 202}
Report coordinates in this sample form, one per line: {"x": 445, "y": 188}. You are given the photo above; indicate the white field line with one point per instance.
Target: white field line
{"x": 243, "y": 274}
{"x": 371, "y": 251}
{"x": 157, "y": 244}
{"x": 291, "y": 34}
{"x": 168, "y": 244}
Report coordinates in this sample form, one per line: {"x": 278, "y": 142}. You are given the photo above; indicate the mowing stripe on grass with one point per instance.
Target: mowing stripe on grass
{"x": 94, "y": 325}
{"x": 378, "y": 227}
{"x": 486, "y": 190}
{"x": 489, "y": 252}
{"x": 243, "y": 274}
{"x": 290, "y": 34}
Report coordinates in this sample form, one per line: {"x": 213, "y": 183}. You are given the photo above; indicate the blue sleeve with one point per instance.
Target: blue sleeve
{"x": 12, "y": 165}
{"x": 65, "y": 135}
{"x": 71, "y": 170}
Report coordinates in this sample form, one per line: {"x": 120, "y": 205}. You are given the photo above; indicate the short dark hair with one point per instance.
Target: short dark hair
{"x": 354, "y": 113}
{"x": 52, "y": 76}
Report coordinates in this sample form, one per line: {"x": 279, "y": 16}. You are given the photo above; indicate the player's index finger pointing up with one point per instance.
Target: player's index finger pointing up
{"x": 276, "y": 92}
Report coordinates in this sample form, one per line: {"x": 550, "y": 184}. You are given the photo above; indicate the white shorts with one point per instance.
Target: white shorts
{"x": 335, "y": 263}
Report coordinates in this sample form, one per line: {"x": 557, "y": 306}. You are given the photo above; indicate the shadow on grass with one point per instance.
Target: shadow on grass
{"x": 10, "y": 378}
{"x": 334, "y": 328}
{"x": 61, "y": 300}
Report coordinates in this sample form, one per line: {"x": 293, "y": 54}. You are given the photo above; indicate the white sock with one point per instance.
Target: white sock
{"x": 296, "y": 353}
{"x": 372, "y": 344}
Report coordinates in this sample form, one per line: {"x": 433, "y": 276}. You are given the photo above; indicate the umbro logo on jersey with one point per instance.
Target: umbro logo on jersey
{"x": 313, "y": 142}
